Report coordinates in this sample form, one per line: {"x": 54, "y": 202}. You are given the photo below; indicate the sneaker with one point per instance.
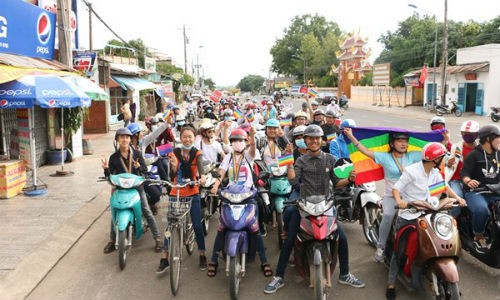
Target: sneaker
{"x": 274, "y": 285}
{"x": 203, "y": 262}
{"x": 164, "y": 264}
{"x": 351, "y": 280}
{"x": 110, "y": 247}
{"x": 481, "y": 245}
{"x": 379, "y": 255}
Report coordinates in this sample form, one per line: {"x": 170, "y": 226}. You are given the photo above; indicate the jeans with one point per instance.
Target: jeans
{"x": 195, "y": 213}
{"x": 292, "y": 215}
{"x": 478, "y": 206}
{"x": 389, "y": 212}
{"x": 456, "y": 186}
{"x": 146, "y": 212}
{"x": 219, "y": 244}
{"x": 393, "y": 267}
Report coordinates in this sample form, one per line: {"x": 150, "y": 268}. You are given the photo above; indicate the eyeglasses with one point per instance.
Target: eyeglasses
{"x": 210, "y": 131}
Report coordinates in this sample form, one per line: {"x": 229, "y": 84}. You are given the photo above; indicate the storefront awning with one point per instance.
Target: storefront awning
{"x": 133, "y": 83}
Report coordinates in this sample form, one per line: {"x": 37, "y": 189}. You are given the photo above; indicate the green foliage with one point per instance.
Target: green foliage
{"x": 168, "y": 69}
{"x": 251, "y": 83}
{"x": 73, "y": 120}
{"x": 308, "y": 48}
{"x": 187, "y": 80}
{"x": 366, "y": 80}
{"x": 209, "y": 83}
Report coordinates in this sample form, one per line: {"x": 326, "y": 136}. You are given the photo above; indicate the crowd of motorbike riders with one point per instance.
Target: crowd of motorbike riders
{"x": 243, "y": 145}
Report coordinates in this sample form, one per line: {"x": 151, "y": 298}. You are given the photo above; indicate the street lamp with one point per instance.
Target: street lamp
{"x": 433, "y": 101}
{"x": 198, "y": 66}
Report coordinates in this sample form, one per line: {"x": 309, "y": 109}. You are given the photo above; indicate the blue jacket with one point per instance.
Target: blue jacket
{"x": 338, "y": 147}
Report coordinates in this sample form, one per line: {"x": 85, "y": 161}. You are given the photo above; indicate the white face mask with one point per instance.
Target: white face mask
{"x": 238, "y": 146}
{"x": 154, "y": 127}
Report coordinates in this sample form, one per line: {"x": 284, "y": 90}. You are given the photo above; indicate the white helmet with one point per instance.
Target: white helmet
{"x": 470, "y": 126}
{"x": 437, "y": 120}
{"x": 206, "y": 124}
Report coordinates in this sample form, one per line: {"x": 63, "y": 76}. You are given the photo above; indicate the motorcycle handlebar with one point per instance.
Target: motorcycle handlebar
{"x": 173, "y": 185}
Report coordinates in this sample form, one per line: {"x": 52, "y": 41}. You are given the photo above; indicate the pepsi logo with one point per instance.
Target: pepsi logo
{"x": 4, "y": 103}
{"x": 52, "y": 102}
{"x": 44, "y": 28}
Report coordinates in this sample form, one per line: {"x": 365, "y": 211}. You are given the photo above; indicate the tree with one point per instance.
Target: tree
{"x": 251, "y": 83}
{"x": 310, "y": 42}
{"x": 209, "y": 83}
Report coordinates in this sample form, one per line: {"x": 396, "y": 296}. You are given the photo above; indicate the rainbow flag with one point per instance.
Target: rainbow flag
{"x": 237, "y": 114}
{"x": 437, "y": 189}
{"x": 286, "y": 122}
{"x": 330, "y": 137}
{"x": 312, "y": 93}
{"x": 377, "y": 139}
{"x": 285, "y": 160}
{"x": 458, "y": 153}
{"x": 250, "y": 117}
{"x": 167, "y": 114}
{"x": 164, "y": 149}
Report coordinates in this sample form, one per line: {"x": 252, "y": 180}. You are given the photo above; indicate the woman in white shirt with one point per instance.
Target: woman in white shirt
{"x": 205, "y": 141}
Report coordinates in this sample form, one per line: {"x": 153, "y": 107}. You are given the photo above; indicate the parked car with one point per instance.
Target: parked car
{"x": 285, "y": 92}
{"x": 295, "y": 91}
{"x": 325, "y": 98}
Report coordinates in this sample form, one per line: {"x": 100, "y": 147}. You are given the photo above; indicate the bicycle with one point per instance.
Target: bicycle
{"x": 179, "y": 230}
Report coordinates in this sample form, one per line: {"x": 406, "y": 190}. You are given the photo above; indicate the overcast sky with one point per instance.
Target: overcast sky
{"x": 237, "y": 35}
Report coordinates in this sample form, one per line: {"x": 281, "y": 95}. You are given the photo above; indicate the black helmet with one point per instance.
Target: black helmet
{"x": 399, "y": 135}
{"x": 488, "y": 130}
{"x": 313, "y": 130}
{"x": 122, "y": 131}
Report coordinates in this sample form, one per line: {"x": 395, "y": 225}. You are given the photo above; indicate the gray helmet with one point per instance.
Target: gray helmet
{"x": 315, "y": 103}
{"x": 122, "y": 131}
{"x": 313, "y": 130}
{"x": 330, "y": 113}
{"x": 488, "y": 130}
{"x": 319, "y": 112}
{"x": 299, "y": 130}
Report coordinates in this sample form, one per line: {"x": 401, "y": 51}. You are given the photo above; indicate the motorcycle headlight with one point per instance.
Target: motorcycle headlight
{"x": 444, "y": 225}
{"x": 236, "y": 198}
{"x": 126, "y": 182}
{"x": 278, "y": 171}
{"x": 315, "y": 209}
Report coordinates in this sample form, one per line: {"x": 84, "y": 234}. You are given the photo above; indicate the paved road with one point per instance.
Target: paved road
{"x": 86, "y": 273}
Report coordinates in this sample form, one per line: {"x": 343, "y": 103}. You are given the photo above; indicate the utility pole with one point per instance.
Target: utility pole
{"x": 445, "y": 53}
{"x": 63, "y": 9}
{"x": 90, "y": 26}
{"x": 185, "y": 48}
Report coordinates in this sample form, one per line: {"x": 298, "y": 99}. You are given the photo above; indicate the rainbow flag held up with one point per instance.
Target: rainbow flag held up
{"x": 164, "y": 149}
{"x": 167, "y": 114}
{"x": 237, "y": 114}
{"x": 250, "y": 117}
{"x": 377, "y": 139}
{"x": 286, "y": 122}
{"x": 313, "y": 93}
{"x": 458, "y": 153}
{"x": 437, "y": 189}
{"x": 330, "y": 137}
{"x": 285, "y": 160}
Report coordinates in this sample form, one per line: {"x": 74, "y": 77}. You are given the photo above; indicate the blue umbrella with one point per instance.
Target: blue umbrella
{"x": 47, "y": 91}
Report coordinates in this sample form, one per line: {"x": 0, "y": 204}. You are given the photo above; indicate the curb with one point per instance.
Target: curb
{"x": 32, "y": 270}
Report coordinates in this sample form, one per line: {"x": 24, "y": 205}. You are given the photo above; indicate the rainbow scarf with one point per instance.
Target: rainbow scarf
{"x": 377, "y": 139}
{"x": 285, "y": 160}
{"x": 437, "y": 189}
{"x": 237, "y": 114}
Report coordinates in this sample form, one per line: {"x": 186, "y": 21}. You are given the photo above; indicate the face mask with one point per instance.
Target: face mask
{"x": 437, "y": 127}
{"x": 238, "y": 146}
{"x": 154, "y": 127}
{"x": 301, "y": 144}
{"x": 181, "y": 123}
{"x": 469, "y": 138}
{"x": 187, "y": 147}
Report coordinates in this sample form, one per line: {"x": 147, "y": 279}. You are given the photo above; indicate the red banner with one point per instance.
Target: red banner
{"x": 216, "y": 95}
{"x": 303, "y": 89}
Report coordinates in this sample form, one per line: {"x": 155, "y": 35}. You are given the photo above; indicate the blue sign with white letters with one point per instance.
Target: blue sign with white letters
{"x": 26, "y": 29}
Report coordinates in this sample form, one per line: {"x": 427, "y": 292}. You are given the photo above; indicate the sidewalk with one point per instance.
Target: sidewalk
{"x": 417, "y": 112}
{"x": 38, "y": 231}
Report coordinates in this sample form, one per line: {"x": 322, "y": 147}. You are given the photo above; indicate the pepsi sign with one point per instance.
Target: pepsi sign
{"x": 26, "y": 29}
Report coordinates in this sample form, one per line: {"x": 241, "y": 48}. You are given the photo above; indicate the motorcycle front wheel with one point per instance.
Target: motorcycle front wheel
{"x": 371, "y": 223}
{"x": 175, "y": 258}
{"x": 234, "y": 276}
{"x": 458, "y": 112}
{"x": 448, "y": 291}
{"x": 494, "y": 117}
{"x": 122, "y": 248}
{"x": 319, "y": 281}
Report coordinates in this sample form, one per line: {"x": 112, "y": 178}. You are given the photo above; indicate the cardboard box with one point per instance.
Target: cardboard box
{"x": 12, "y": 178}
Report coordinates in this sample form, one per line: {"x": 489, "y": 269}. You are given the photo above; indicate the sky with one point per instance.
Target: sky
{"x": 232, "y": 39}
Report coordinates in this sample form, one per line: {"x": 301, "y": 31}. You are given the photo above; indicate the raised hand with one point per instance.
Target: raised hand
{"x": 104, "y": 163}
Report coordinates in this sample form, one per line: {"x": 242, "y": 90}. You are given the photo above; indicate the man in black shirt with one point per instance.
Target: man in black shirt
{"x": 127, "y": 160}
{"x": 481, "y": 167}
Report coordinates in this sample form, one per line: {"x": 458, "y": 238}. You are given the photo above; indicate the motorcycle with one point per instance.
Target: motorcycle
{"x": 317, "y": 243}
{"x": 492, "y": 256}
{"x": 444, "y": 109}
{"x": 238, "y": 221}
{"x": 279, "y": 191}
{"x": 126, "y": 212}
{"x": 343, "y": 103}
{"x": 362, "y": 204}
{"x": 190, "y": 117}
{"x": 495, "y": 114}
{"x": 209, "y": 202}
{"x": 428, "y": 250}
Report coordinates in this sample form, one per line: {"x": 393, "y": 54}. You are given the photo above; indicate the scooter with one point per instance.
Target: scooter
{"x": 190, "y": 117}
{"x": 429, "y": 250}
{"x": 444, "y": 109}
{"x": 317, "y": 243}
{"x": 209, "y": 202}
{"x": 238, "y": 221}
{"x": 344, "y": 103}
{"x": 126, "y": 212}
{"x": 362, "y": 204}
{"x": 279, "y": 191}
{"x": 495, "y": 113}
{"x": 492, "y": 256}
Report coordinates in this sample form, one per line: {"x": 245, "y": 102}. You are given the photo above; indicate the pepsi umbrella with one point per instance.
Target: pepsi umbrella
{"x": 47, "y": 91}
{"x": 90, "y": 88}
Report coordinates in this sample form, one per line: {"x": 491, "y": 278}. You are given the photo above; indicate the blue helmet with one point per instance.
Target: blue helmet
{"x": 349, "y": 123}
{"x": 134, "y": 128}
{"x": 273, "y": 123}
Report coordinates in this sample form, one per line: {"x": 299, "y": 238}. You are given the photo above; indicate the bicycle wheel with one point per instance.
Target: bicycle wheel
{"x": 189, "y": 236}
{"x": 175, "y": 257}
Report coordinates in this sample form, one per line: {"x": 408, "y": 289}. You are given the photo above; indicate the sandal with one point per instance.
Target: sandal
{"x": 266, "y": 269}
{"x": 212, "y": 269}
